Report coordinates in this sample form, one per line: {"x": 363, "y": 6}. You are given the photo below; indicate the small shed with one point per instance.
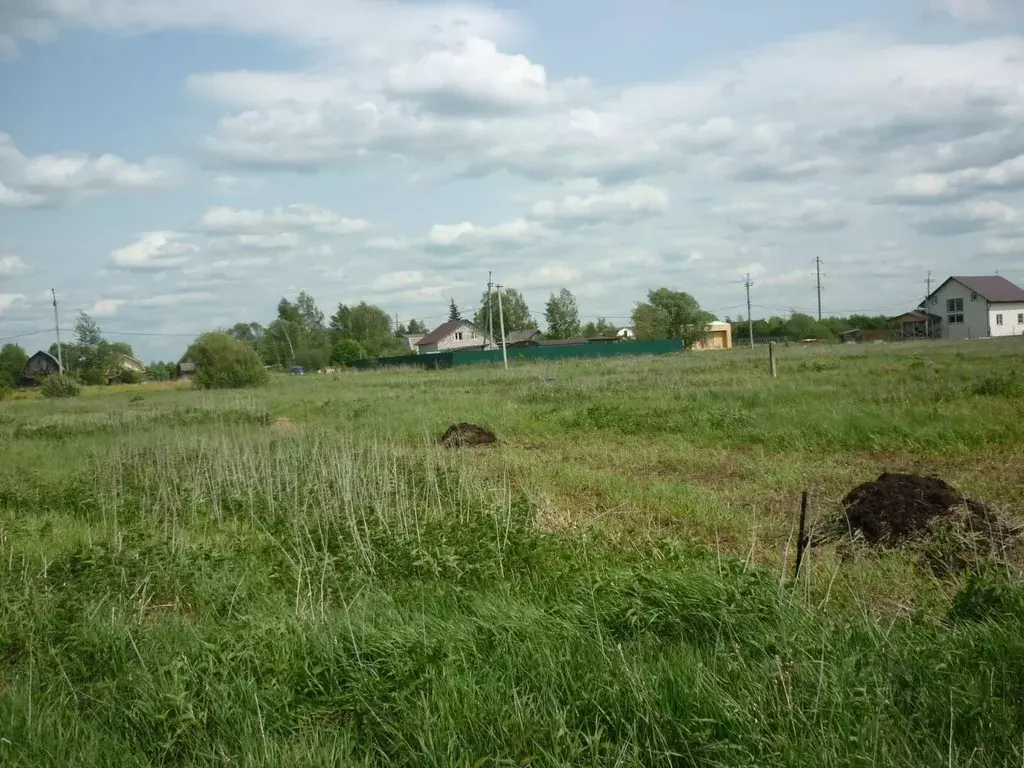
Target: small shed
{"x": 38, "y": 367}
{"x": 917, "y": 324}
{"x": 719, "y": 337}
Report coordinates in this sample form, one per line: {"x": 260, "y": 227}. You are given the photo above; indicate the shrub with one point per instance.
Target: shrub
{"x": 347, "y": 350}
{"x": 60, "y": 386}
{"x": 223, "y": 362}
{"x": 5, "y": 392}
{"x": 130, "y": 377}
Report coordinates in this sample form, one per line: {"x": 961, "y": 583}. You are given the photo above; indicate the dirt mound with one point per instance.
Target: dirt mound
{"x": 897, "y": 507}
{"x": 465, "y": 435}
{"x": 949, "y": 530}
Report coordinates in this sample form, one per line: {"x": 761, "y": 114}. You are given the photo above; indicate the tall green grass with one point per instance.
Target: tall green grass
{"x": 183, "y": 583}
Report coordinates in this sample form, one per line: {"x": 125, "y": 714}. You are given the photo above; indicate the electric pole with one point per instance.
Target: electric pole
{"x": 750, "y": 320}
{"x": 490, "y": 309}
{"x": 501, "y": 321}
{"x": 56, "y": 328}
{"x": 817, "y": 266}
{"x": 927, "y": 315}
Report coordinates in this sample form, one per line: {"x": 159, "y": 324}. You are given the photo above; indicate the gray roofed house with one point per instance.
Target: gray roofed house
{"x": 455, "y": 334}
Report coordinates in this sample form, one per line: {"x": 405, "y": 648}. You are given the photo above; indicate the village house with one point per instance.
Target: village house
{"x": 977, "y": 307}
{"x": 455, "y": 334}
{"x": 38, "y": 367}
{"x": 719, "y": 337}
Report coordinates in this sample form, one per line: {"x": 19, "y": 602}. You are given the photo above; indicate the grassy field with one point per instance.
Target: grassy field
{"x": 299, "y": 576}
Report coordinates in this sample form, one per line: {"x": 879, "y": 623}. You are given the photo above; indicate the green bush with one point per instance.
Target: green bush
{"x": 60, "y": 386}
{"x": 346, "y": 351}
{"x": 130, "y": 377}
{"x": 5, "y": 392}
{"x": 223, "y": 362}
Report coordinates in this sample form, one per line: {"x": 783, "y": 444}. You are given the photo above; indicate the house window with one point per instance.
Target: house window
{"x": 974, "y": 297}
{"x": 957, "y": 319}
{"x": 935, "y": 299}
{"x": 1020, "y": 318}
{"x": 954, "y": 305}
{"x": 999, "y": 319}
{"x": 458, "y": 336}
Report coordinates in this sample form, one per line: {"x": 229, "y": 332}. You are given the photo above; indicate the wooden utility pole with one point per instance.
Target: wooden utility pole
{"x": 927, "y": 314}
{"x": 772, "y": 362}
{"x": 817, "y": 266}
{"x": 501, "y": 321}
{"x": 750, "y": 320}
{"x": 490, "y": 309}
{"x": 56, "y": 328}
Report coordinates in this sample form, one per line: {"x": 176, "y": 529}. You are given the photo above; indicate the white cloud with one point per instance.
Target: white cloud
{"x": 510, "y": 234}
{"x": 807, "y": 216}
{"x": 623, "y": 204}
{"x": 268, "y": 242}
{"x": 12, "y": 266}
{"x": 111, "y": 307}
{"x": 8, "y": 300}
{"x": 51, "y": 179}
{"x": 154, "y": 251}
{"x": 365, "y": 30}
{"x": 939, "y": 187}
{"x": 305, "y": 217}
{"x": 474, "y": 76}
{"x": 106, "y": 307}
{"x": 15, "y": 198}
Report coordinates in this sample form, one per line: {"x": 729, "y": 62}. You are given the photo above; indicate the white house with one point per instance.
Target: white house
{"x": 455, "y": 334}
{"x": 978, "y": 307}
{"x": 626, "y": 333}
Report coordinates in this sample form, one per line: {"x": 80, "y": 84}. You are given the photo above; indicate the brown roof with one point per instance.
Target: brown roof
{"x": 994, "y": 288}
{"x": 914, "y": 315}
{"x": 444, "y": 329}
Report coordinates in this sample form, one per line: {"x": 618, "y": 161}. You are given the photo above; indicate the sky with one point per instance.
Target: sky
{"x": 170, "y": 168}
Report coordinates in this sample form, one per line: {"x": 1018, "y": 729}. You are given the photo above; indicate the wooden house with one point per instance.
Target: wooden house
{"x": 38, "y": 367}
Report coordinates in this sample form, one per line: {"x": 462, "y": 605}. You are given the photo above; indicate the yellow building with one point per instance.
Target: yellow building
{"x": 719, "y": 337}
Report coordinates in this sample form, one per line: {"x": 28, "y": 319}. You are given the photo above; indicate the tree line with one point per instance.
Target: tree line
{"x": 302, "y": 335}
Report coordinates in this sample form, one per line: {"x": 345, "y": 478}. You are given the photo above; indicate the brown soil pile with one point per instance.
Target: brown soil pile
{"x": 950, "y": 529}
{"x": 895, "y": 507}
{"x": 466, "y": 435}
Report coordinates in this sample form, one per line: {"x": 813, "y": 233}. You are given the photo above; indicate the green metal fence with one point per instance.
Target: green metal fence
{"x": 523, "y": 354}
{"x": 570, "y": 351}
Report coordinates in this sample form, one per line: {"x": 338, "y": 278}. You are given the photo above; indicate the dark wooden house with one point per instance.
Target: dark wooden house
{"x": 38, "y": 367}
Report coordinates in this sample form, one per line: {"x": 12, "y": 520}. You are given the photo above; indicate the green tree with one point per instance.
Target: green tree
{"x": 453, "y": 311}
{"x": 366, "y": 323}
{"x": 416, "y": 326}
{"x": 562, "y": 315}
{"x": 513, "y": 308}
{"x": 12, "y": 363}
{"x": 346, "y": 351}
{"x": 249, "y": 333}
{"x": 223, "y": 362}
{"x": 91, "y": 357}
{"x": 160, "y": 371}
{"x": 602, "y": 328}
{"x": 669, "y": 314}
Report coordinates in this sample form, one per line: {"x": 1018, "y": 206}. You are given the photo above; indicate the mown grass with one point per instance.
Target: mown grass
{"x": 186, "y": 580}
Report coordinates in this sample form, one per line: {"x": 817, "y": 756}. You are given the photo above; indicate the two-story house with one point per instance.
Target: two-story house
{"x": 978, "y": 307}
{"x": 455, "y": 334}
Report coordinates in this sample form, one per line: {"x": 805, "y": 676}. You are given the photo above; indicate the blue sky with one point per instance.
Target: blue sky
{"x": 173, "y": 167}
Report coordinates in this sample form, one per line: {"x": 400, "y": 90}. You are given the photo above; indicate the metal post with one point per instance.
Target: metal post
{"x": 501, "y": 321}
{"x": 927, "y": 314}
{"x": 56, "y": 328}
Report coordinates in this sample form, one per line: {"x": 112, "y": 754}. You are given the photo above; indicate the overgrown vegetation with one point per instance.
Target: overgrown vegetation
{"x": 185, "y": 584}
{"x": 223, "y": 362}
{"x": 60, "y": 386}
